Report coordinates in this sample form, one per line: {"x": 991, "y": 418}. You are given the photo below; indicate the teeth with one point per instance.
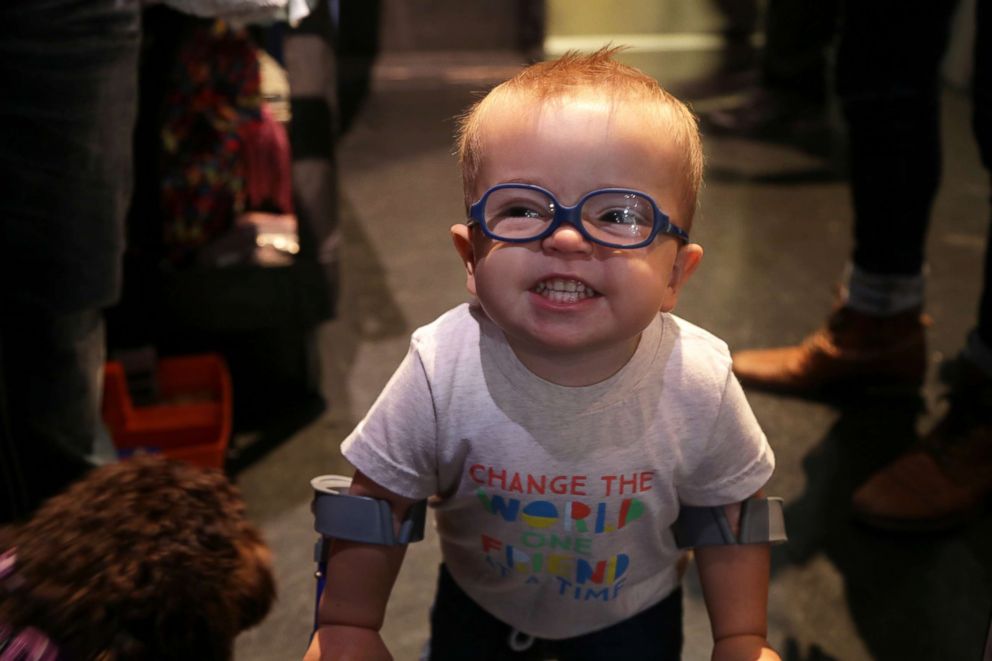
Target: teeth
{"x": 560, "y": 290}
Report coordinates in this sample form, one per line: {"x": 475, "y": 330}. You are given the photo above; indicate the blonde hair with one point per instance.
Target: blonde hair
{"x": 577, "y": 72}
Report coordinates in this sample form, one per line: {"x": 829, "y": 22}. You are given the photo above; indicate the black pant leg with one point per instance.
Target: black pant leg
{"x": 888, "y": 80}
{"x": 982, "y": 118}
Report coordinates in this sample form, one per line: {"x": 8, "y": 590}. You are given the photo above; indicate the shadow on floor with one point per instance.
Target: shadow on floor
{"x": 909, "y": 597}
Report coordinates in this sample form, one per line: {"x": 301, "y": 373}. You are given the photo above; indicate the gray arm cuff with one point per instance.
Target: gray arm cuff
{"x": 359, "y": 518}
{"x": 762, "y": 522}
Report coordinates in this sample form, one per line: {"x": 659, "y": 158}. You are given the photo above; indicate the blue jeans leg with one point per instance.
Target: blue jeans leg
{"x": 51, "y": 367}
{"x": 888, "y": 63}
{"x": 68, "y": 70}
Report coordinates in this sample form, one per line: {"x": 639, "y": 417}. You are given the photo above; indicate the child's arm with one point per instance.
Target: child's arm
{"x": 360, "y": 578}
{"x": 735, "y": 586}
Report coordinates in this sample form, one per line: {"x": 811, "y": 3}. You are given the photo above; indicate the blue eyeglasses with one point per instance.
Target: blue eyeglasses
{"x": 611, "y": 217}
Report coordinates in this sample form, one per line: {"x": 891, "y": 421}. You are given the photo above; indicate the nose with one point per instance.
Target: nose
{"x": 567, "y": 239}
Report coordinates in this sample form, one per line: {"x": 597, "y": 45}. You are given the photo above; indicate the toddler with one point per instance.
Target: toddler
{"x": 560, "y": 420}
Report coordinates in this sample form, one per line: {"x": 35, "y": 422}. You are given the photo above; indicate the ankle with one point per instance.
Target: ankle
{"x": 881, "y": 295}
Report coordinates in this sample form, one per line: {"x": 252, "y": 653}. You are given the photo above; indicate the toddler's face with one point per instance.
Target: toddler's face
{"x": 571, "y": 148}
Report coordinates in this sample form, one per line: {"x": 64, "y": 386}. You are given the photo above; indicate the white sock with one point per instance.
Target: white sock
{"x": 881, "y": 295}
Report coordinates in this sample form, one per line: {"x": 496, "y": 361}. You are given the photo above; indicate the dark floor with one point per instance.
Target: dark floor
{"x": 775, "y": 225}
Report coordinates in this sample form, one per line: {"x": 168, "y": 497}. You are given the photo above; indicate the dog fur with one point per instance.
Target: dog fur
{"x": 142, "y": 559}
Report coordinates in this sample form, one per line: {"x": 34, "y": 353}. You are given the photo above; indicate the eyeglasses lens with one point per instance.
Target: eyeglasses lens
{"x": 623, "y": 219}
{"x": 518, "y": 213}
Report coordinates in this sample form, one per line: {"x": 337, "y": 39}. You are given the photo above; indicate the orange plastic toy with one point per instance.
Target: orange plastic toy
{"x": 190, "y": 420}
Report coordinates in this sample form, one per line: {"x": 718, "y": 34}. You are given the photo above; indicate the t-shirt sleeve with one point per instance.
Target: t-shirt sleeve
{"x": 395, "y": 444}
{"x": 735, "y": 460}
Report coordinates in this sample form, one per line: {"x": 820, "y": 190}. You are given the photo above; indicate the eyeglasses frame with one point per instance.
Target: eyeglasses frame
{"x": 571, "y": 215}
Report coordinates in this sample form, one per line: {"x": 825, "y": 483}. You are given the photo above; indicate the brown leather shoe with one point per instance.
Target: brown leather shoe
{"x": 946, "y": 480}
{"x": 851, "y": 349}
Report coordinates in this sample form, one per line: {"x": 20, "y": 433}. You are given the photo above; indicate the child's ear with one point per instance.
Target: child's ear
{"x": 686, "y": 261}
{"x": 461, "y": 236}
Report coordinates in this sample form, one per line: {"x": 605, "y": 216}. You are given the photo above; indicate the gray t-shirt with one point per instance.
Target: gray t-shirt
{"x": 554, "y": 504}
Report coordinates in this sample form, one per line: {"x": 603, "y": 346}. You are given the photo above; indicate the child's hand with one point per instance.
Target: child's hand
{"x": 744, "y": 648}
{"x": 345, "y": 643}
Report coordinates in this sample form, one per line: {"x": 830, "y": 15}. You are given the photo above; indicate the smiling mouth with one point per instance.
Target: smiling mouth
{"x": 560, "y": 290}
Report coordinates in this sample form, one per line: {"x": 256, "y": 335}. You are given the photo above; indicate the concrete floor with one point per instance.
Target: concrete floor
{"x": 775, "y": 224}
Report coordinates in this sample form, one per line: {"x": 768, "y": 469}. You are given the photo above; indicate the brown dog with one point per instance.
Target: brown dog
{"x": 142, "y": 559}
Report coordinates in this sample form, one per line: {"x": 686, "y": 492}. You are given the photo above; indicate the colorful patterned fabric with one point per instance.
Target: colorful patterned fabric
{"x": 215, "y": 97}
{"x": 26, "y": 644}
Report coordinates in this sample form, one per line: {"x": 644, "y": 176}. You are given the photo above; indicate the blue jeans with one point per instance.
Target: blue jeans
{"x": 50, "y": 367}
{"x": 68, "y": 70}
{"x": 888, "y": 79}
{"x": 798, "y": 34}
{"x": 462, "y": 631}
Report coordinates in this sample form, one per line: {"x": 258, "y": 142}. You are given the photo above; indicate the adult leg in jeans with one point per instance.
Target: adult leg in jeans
{"x": 796, "y": 55}
{"x": 888, "y": 61}
{"x": 791, "y": 96}
{"x": 982, "y": 118}
{"x": 68, "y": 70}
{"x": 947, "y": 478}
